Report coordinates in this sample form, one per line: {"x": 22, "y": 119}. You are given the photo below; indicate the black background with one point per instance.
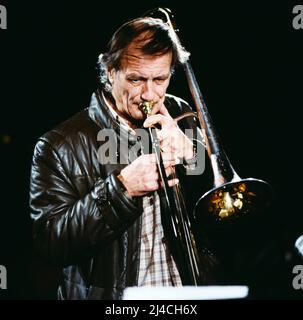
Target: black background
{"x": 248, "y": 61}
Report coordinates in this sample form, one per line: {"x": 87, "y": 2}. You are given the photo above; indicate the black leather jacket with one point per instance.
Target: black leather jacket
{"x": 83, "y": 219}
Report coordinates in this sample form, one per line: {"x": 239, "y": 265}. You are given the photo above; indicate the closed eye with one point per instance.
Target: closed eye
{"x": 160, "y": 80}
{"x": 135, "y": 80}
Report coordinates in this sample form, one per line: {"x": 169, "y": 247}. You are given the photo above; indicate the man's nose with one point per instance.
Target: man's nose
{"x": 148, "y": 91}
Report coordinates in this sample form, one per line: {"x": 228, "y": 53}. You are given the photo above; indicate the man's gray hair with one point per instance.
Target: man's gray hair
{"x": 158, "y": 39}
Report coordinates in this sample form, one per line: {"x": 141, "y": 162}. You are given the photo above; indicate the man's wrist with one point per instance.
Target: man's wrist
{"x": 123, "y": 184}
{"x": 122, "y": 180}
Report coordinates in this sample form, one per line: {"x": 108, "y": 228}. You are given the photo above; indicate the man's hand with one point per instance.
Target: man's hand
{"x": 172, "y": 140}
{"x": 141, "y": 176}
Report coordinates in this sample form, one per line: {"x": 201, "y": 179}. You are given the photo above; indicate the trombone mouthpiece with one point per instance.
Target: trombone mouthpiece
{"x": 146, "y": 107}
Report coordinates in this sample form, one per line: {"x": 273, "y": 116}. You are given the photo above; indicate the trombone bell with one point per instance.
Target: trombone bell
{"x": 233, "y": 200}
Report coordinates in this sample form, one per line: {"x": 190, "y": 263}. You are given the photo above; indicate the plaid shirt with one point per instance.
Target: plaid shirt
{"x": 157, "y": 267}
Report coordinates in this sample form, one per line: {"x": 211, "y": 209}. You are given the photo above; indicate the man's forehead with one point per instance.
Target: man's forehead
{"x": 134, "y": 57}
{"x": 146, "y": 65}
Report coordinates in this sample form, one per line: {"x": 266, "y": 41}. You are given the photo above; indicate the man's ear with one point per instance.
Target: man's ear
{"x": 110, "y": 75}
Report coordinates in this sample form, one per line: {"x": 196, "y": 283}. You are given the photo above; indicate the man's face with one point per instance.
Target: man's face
{"x": 140, "y": 78}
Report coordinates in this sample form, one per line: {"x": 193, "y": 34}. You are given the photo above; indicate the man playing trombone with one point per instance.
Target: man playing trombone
{"x": 102, "y": 221}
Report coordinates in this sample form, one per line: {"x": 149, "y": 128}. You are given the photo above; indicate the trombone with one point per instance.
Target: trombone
{"x": 231, "y": 197}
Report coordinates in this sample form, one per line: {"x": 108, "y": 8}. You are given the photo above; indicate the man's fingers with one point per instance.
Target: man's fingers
{"x": 147, "y": 159}
{"x": 164, "y": 111}
{"x": 163, "y": 134}
{"x": 169, "y": 159}
{"x": 157, "y": 118}
{"x": 173, "y": 182}
{"x": 169, "y": 170}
